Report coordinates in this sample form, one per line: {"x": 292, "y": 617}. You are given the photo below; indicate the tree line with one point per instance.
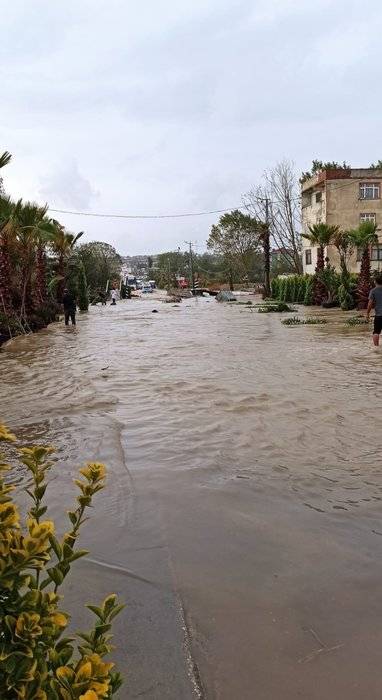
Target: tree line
{"x": 38, "y": 259}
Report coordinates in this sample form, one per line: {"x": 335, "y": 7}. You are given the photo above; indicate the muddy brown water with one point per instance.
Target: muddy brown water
{"x": 242, "y": 518}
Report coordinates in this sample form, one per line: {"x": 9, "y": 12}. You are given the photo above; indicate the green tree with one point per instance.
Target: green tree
{"x": 62, "y": 244}
{"x": 101, "y": 262}
{"x": 82, "y": 286}
{"x": 237, "y": 238}
{"x": 318, "y": 166}
{"x": 320, "y": 235}
{"x": 6, "y": 236}
{"x": 362, "y": 238}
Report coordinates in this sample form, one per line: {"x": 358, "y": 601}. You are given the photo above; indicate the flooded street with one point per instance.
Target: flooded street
{"x": 241, "y": 522}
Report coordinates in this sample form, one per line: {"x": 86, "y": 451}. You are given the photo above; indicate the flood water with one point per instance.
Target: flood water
{"x": 242, "y": 521}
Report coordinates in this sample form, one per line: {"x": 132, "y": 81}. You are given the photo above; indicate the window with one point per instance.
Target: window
{"x": 308, "y": 257}
{"x": 318, "y": 197}
{"x": 369, "y": 190}
{"x": 367, "y": 217}
{"x": 376, "y": 252}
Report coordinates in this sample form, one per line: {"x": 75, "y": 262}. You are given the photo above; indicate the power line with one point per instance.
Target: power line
{"x": 145, "y": 216}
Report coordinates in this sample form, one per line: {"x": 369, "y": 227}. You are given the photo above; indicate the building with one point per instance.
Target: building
{"x": 137, "y": 265}
{"x": 343, "y": 198}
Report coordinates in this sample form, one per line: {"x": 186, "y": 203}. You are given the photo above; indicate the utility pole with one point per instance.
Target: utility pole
{"x": 168, "y": 274}
{"x": 267, "y": 252}
{"x": 191, "y": 268}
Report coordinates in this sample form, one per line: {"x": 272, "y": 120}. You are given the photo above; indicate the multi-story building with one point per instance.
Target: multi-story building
{"x": 343, "y": 198}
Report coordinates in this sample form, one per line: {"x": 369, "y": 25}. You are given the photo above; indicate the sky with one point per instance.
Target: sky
{"x": 164, "y": 107}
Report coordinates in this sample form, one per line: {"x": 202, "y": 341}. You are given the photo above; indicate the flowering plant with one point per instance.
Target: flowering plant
{"x": 37, "y": 662}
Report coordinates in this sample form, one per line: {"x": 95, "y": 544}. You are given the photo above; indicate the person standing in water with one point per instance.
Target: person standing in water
{"x": 70, "y": 307}
{"x": 113, "y": 297}
{"x": 375, "y": 302}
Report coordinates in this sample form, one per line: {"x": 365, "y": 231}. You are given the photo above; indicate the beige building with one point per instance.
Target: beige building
{"x": 343, "y": 198}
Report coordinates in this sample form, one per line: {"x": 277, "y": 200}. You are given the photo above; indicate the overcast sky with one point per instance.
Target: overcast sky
{"x": 165, "y": 106}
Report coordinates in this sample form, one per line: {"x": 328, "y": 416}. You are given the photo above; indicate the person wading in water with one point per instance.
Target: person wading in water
{"x": 69, "y": 303}
{"x": 375, "y": 302}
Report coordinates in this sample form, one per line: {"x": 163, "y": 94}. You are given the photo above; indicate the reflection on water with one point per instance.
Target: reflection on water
{"x": 204, "y": 394}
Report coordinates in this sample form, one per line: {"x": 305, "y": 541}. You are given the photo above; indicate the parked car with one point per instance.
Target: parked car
{"x": 146, "y": 288}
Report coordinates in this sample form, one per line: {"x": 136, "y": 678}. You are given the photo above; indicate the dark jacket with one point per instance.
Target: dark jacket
{"x": 69, "y": 302}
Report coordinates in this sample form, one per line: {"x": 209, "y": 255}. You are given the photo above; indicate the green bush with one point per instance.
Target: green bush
{"x": 37, "y": 662}
{"x": 308, "y": 296}
{"x": 82, "y": 285}
{"x": 291, "y": 289}
{"x": 280, "y": 307}
{"x": 295, "y": 321}
{"x": 357, "y": 321}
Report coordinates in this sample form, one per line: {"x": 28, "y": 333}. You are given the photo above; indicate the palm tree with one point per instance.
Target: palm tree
{"x": 62, "y": 244}
{"x": 362, "y": 238}
{"x": 5, "y": 267}
{"x": 29, "y": 221}
{"x": 5, "y": 158}
{"x": 320, "y": 235}
{"x": 6, "y": 231}
{"x": 343, "y": 242}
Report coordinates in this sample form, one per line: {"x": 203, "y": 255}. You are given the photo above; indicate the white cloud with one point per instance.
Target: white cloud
{"x": 162, "y": 107}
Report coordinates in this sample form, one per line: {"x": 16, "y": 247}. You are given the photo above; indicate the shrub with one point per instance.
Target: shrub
{"x": 295, "y": 321}
{"x": 277, "y": 308}
{"x": 309, "y": 289}
{"x": 357, "y": 321}
{"x": 82, "y": 286}
{"x": 36, "y": 661}
{"x": 275, "y": 287}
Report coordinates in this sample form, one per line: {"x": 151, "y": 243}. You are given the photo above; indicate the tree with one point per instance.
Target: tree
{"x": 342, "y": 241}
{"x": 83, "y": 298}
{"x": 362, "y": 238}
{"x": 6, "y": 233}
{"x": 318, "y": 166}
{"x": 62, "y": 244}
{"x": 377, "y": 165}
{"x": 237, "y": 238}
{"x": 320, "y": 235}
{"x": 32, "y": 229}
{"x": 101, "y": 263}
{"x": 281, "y": 188}
{"x": 5, "y": 158}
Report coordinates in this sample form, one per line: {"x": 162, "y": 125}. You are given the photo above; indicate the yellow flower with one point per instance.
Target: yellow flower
{"x": 65, "y": 673}
{"x": 40, "y": 695}
{"x": 9, "y": 516}
{"x": 40, "y": 530}
{"x": 100, "y": 668}
{"x": 101, "y": 689}
{"x": 27, "y": 626}
{"x": 59, "y": 619}
{"x": 94, "y": 471}
{"x": 84, "y": 672}
{"x": 6, "y": 435}
{"x": 89, "y": 695}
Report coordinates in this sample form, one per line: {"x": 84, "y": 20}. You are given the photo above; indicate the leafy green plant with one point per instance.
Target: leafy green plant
{"x": 295, "y": 321}
{"x": 357, "y": 321}
{"x": 277, "y": 308}
{"x": 36, "y": 661}
{"x": 309, "y": 289}
{"x": 82, "y": 285}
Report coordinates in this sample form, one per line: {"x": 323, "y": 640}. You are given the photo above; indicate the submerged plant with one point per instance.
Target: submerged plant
{"x": 276, "y": 308}
{"x": 357, "y": 321}
{"x": 295, "y": 321}
{"x": 36, "y": 661}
